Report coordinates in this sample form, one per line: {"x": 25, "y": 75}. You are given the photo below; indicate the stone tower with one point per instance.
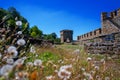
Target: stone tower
{"x": 110, "y": 22}
{"x": 66, "y": 36}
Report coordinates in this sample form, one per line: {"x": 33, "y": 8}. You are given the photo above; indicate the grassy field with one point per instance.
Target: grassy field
{"x": 65, "y": 62}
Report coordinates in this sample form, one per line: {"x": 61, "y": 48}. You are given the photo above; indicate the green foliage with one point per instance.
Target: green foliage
{"x": 11, "y": 23}
{"x": 57, "y": 40}
{"x": 48, "y": 37}
{"x": 25, "y": 28}
{"x": 2, "y": 13}
{"x": 35, "y": 32}
{"x": 46, "y": 56}
{"x": 13, "y": 12}
{"x": 52, "y": 36}
{"x": 9, "y": 17}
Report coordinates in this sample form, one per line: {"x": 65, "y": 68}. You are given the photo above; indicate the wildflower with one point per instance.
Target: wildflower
{"x": 77, "y": 51}
{"x": 54, "y": 66}
{"x": 89, "y": 59}
{"x": 50, "y": 77}
{"x": 21, "y": 42}
{"x": 12, "y": 51}
{"x": 64, "y": 73}
{"x": 66, "y": 67}
{"x": 37, "y": 62}
{"x": 109, "y": 58}
{"x": 19, "y": 32}
{"x": 97, "y": 68}
{"x": 50, "y": 62}
{"x": 18, "y": 23}
{"x": 16, "y": 18}
{"x": 18, "y": 76}
{"x": 56, "y": 71}
{"x": 11, "y": 48}
{"x": 5, "y": 70}
{"x": 83, "y": 69}
{"x": 29, "y": 64}
{"x": 59, "y": 61}
{"x": 107, "y": 78}
{"x": 32, "y": 49}
{"x": 98, "y": 77}
{"x": 10, "y": 61}
{"x": 4, "y": 58}
{"x": 19, "y": 62}
{"x": 102, "y": 60}
{"x": 0, "y": 55}
{"x": 92, "y": 72}
{"x": 36, "y": 55}
{"x": 89, "y": 76}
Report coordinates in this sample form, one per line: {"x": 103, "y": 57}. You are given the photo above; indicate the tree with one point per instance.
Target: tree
{"x": 54, "y": 35}
{"x": 12, "y": 11}
{"x": 35, "y": 32}
{"x": 2, "y": 13}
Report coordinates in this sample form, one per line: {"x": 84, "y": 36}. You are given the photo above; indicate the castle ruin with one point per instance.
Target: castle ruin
{"x": 66, "y": 36}
{"x": 105, "y": 39}
{"x": 110, "y": 24}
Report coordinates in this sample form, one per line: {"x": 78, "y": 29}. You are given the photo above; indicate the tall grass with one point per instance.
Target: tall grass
{"x": 84, "y": 66}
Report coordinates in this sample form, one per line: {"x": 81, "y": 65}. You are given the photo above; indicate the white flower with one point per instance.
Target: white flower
{"x": 19, "y": 32}
{"x": 12, "y": 51}
{"x": 107, "y": 78}
{"x": 83, "y": 69}
{"x": 32, "y": 49}
{"x": 64, "y": 73}
{"x": 77, "y": 51}
{"x": 102, "y": 60}
{"x": 88, "y": 75}
{"x": 14, "y": 54}
{"x": 50, "y": 77}
{"x": 10, "y": 61}
{"x": 16, "y": 18}
{"x": 97, "y": 68}
{"x": 4, "y": 58}
{"x": 18, "y": 23}
{"x": 0, "y": 55}
{"x": 65, "y": 67}
{"x": 11, "y": 48}
{"x": 21, "y": 42}
{"x": 89, "y": 59}
{"x": 29, "y": 64}
{"x": 5, "y": 70}
{"x": 19, "y": 61}
{"x": 37, "y": 62}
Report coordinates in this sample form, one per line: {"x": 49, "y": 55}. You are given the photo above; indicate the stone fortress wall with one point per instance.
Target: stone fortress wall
{"x": 105, "y": 39}
{"x": 110, "y": 23}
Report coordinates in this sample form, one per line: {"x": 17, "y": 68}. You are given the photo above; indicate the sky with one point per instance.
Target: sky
{"x": 50, "y": 16}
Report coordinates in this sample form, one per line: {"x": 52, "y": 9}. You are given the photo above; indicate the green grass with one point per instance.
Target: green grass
{"x": 54, "y": 58}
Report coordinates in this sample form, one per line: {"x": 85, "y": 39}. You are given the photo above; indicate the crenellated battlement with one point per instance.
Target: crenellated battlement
{"x": 90, "y": 35}
{"x": 110, "y": 15}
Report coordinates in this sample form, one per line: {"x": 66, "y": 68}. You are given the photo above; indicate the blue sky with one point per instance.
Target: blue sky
{"x": 81, "y": 16}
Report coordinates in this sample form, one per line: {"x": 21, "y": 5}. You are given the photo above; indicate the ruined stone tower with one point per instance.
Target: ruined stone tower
{"x": 66, "y": 36}
{"x": 110, "y": 24}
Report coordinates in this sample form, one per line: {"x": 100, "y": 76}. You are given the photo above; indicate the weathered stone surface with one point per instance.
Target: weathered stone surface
{"x": 66, "y": 36}
{"x": 105, "y": 39}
